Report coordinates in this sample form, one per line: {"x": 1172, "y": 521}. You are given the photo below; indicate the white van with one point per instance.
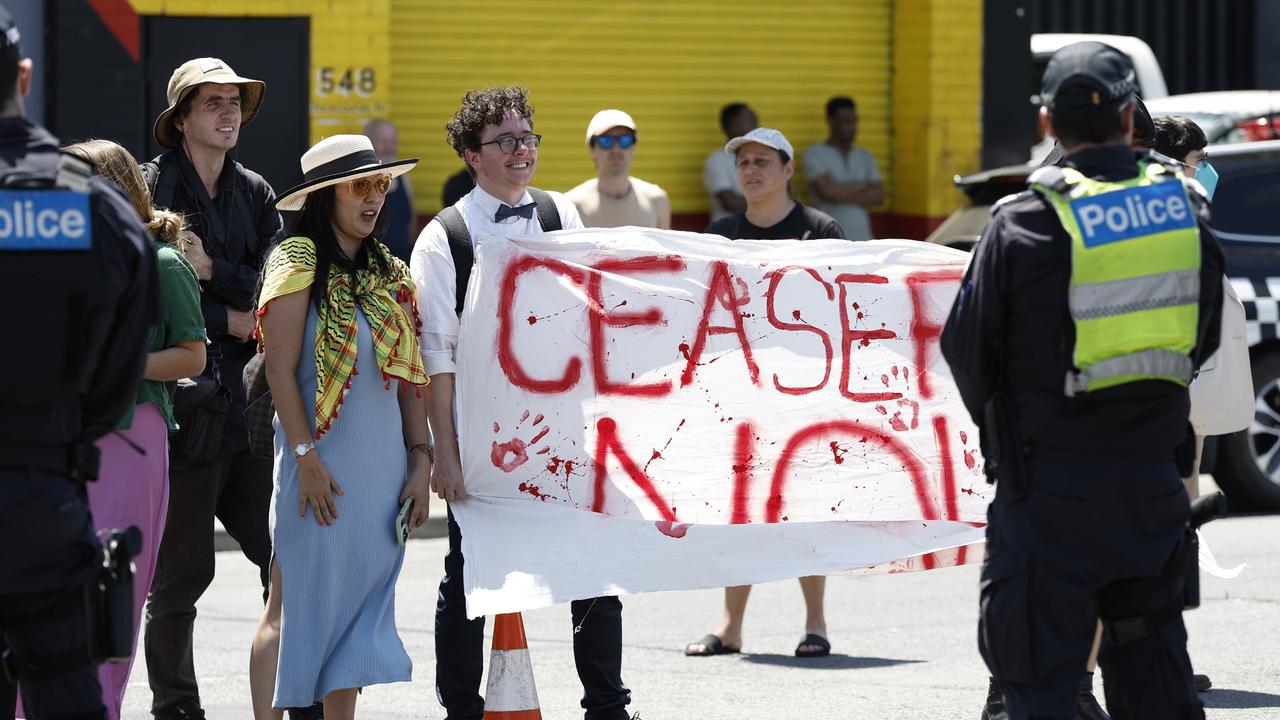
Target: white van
{"x": 1149, "y": 76}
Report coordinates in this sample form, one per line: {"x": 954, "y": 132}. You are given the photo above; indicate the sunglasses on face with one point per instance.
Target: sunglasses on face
{"x": 606, "y": 142}
{"x": 508, "y": 143}
{"x": 360, "y": 187}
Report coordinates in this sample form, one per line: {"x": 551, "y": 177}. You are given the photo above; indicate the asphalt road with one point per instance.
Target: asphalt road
{"x": 904, "y": 645}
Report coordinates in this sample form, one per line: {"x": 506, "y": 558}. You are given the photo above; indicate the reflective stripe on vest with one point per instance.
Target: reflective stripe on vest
{"x": 1135, "y": 276}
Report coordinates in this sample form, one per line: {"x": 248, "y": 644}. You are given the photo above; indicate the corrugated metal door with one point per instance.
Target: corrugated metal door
{"x": 672, "y": 65}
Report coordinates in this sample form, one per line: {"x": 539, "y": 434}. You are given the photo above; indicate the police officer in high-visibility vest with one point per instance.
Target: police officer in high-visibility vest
{"x": 1090, "y": 302}
{"x": 79, "y": 294}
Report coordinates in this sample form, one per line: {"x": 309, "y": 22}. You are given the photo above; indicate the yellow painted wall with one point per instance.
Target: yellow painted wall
{"x": 937, "y": 102}
{"x": 346, "y": 36}
{"x": 670, "y": 64}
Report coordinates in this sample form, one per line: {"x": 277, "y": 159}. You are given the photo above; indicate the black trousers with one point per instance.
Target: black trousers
{"x": 48, "y": 549}
{"x": 1056, "y": 558}
{"x": 237, "y": 490}
{"x": 597, "y": 649}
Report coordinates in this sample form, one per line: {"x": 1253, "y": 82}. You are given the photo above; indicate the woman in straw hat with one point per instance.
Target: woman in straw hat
{"x": 133, "y": 475}
{"x": 337, "y": 322}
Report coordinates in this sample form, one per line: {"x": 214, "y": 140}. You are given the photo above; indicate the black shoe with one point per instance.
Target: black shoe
{"x": 1202, "y": 683}
{"x": 315, "y": 712}
{"x": 1087, "y": 707}
{"x": 994, "y": 707}
{"x": 185, "y": 710}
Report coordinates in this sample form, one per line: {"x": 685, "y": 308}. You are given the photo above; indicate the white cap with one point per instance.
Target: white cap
{"x": 765, "y": 136}
{"x": 606, "y": 120}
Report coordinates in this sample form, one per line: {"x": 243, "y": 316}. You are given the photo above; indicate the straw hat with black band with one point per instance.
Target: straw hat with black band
{"x": 188, "y": 77}
{"x": 339, "y": 159}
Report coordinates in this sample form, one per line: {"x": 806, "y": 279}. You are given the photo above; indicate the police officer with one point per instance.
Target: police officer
{"x": 1088, "y": 305}
{"x": 78, "y": 288}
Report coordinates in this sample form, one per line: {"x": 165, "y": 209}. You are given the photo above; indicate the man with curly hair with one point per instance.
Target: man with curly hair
{"x": 493, "y": 133}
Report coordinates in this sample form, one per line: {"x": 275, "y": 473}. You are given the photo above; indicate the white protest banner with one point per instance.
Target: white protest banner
{"x": 647, "y": 410}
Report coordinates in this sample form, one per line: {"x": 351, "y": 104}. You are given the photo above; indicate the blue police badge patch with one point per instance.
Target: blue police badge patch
{"x": 44, "y": 220}
{"x": 1132, "y": 212}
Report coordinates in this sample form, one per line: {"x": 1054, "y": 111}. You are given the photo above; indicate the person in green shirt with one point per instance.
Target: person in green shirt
{"x": 133, "y": 476}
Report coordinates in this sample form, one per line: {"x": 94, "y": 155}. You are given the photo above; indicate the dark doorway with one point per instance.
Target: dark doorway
{"x": 273, "y": 50}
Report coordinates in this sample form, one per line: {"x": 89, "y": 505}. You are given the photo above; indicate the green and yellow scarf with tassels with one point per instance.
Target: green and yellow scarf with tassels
{"x": 292, "y": 267}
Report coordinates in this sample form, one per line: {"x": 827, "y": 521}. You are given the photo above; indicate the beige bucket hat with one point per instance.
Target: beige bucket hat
{"x": 195, "y": 72}
{"x": 336, "y": 159}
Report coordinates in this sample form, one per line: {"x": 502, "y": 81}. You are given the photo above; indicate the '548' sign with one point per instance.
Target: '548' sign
{"x": 345, "y": 81}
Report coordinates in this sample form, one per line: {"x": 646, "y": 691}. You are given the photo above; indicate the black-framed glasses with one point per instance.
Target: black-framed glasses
{"x": 508, "y": 143}
{"x": 605, "y": 142}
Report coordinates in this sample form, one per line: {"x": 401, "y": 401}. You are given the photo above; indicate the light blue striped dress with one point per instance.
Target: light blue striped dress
{"x": 338, "y": 628}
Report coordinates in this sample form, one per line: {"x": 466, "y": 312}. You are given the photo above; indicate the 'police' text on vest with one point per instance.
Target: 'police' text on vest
{"x": 1132, "y": 212}
{"x": 44, "y": 220}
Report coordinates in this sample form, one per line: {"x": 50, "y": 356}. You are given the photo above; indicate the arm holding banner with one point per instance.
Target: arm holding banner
{"x": 446, "y": 473}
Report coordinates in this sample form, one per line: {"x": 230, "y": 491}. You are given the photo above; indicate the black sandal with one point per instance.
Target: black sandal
{"x": 811, "y": 639}
{"x": 711, "y": 645}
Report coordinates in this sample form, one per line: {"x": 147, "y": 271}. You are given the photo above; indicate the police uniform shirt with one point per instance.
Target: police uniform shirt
{"x": 1010, "y": 330}
{"x": 436, "y": 279}
{"x": 122, "y": 296}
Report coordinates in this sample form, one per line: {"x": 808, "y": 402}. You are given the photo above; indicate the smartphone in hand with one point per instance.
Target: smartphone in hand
{"x": 402, "y": 521}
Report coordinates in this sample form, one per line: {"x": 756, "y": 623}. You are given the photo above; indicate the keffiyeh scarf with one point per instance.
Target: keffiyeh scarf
{"x": 292, "y": 267}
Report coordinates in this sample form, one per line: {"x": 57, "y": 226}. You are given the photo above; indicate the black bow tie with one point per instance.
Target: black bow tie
{"x": 506, "y": 211}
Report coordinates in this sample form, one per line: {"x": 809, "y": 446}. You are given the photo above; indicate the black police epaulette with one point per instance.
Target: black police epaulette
{"x": 73, "y": 173}
{"x": 1007, "y": 199}
{"x": 1050, "y": 176}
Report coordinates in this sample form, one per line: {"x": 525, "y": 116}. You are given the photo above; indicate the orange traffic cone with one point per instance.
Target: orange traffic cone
{"x": 511, "y": 694}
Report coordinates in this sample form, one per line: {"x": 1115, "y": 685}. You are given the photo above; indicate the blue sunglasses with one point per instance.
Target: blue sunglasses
{"x": 605, "y": 142}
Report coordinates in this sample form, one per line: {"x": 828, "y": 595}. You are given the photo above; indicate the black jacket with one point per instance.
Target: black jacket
{"x": 238, "y": 228}
{"x": 78, "y": 324}
{"x": 1010, "y": 331}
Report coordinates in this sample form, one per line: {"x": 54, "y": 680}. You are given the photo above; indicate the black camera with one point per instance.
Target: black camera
{"x": 109, "y": 597}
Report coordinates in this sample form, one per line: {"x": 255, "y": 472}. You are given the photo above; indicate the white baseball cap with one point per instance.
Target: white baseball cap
{"x": 765, "y": 136}
{"x": 605, "y": 120}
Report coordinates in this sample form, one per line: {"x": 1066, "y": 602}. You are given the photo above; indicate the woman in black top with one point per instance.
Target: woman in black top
{"x": 765, "y": 167}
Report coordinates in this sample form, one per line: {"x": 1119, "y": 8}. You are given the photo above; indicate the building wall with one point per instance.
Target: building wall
{"x": 671, "y": 65}
{"x": 350, "y": 52}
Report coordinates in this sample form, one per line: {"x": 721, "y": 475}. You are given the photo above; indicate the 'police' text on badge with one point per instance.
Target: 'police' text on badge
{"x": 1132, "y": 212}
{"x": 44, "y": 220}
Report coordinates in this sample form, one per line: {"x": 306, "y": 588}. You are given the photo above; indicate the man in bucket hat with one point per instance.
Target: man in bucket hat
{"x": 233, "y": 220}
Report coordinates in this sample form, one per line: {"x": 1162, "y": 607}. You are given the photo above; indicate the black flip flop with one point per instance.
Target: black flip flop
{"x": 811, "y": 639}
{"x": 711, "y": 645}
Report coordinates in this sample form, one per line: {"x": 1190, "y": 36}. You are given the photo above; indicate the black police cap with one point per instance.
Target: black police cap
{"x": 1086, "y": 74}
{"x": 8, "y": 30}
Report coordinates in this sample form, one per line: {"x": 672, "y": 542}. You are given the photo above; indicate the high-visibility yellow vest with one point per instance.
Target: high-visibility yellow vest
{"x": 1135, "y": 274}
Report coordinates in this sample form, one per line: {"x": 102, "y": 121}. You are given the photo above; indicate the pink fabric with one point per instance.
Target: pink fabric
{"x": 132, "y": 489}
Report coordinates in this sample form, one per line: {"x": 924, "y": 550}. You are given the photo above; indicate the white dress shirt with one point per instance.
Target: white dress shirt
{"x": 436, "y": 279}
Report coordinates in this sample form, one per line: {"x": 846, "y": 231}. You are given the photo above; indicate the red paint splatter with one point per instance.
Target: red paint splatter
{"x": 682, "y": 422}
{"x": 906, "y": 374}
{"x": 540, "y": 435}
{"x": 881, "y": 409}
{"x": 533, "y": 490}
{"x": 838, "y": 453}
{"x": 915, "y": 411}
{"x": 533, "y": 319}
{"x": 537, "y": 420}
{"x": 568, "y": 468}
{"x": 672, "y": 530}
{"x": 525, "y": 416}
{"x": 795, "y": 314}
{"x": 968, "y": 491}
{"x": 895, "y": 371}
{"x": 655, "y": 456}
{"x": 496, "y": 429}
{"x": 684, "y": 350}
{"x": 969, "y": 460}
{"x": 544, "y": 451}
{"x": 896, "y": 423}
{"x": 553, "y": 466}
{"x": 860, "y": 316}
{"x": 964, "y": 437}
{"x": 515, "y": 447}
{"x": 885, "y": 379}
{"x": 856, "y": 306}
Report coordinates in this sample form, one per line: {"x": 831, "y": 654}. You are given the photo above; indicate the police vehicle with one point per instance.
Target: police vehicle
{"x": 1246, "y": 215}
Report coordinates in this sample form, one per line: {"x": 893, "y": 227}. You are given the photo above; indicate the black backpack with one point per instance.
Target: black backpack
{"x": 464, "y": 256}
